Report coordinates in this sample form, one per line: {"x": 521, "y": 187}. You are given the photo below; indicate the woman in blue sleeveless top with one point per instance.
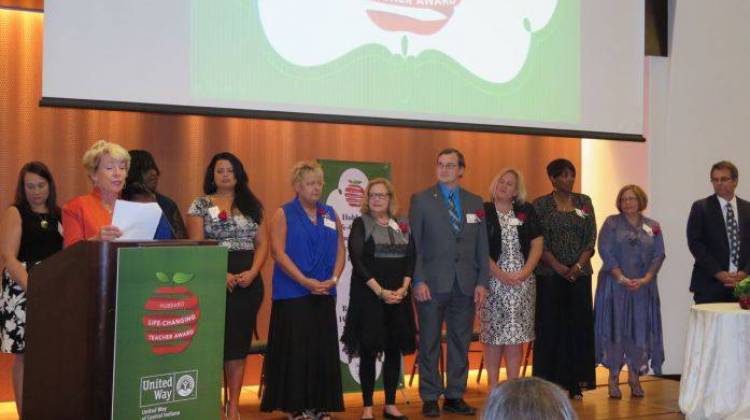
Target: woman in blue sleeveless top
{"x": 302, "y": 369}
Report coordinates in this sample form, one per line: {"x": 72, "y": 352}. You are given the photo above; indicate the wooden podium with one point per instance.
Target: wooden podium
{"x": 70, "y": 331}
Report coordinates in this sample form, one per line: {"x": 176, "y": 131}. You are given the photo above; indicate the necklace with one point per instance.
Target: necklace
{"x": 43, "y": 223}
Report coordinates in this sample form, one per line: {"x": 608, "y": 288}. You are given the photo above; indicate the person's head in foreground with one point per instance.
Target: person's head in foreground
{"x": 528, "y": 399}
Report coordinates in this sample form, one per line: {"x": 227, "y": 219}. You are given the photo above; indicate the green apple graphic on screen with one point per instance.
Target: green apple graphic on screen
{"x": 489, "y": 38}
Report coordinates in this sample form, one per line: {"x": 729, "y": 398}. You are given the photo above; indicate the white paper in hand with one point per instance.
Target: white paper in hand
{"x": 137, "y": 221}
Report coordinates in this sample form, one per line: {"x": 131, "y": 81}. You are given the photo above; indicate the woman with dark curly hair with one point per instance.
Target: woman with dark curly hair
{"x": 143, "y": 170}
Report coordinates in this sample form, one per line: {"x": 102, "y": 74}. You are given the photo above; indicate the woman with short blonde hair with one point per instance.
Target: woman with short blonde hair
{"x": 89, "y": 217}
{"x": 304, "y": 167}
{"x": 302, "y": 368}
{"x": 93, "y": 156}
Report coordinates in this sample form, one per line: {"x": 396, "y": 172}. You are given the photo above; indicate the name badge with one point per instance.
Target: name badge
{"x": 329, "y": 223}
{"x": 472, "y": 218}
{"x": 213, "y": 212}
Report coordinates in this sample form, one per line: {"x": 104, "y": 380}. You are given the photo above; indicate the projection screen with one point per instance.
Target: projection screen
{"x": 565, "y": 67}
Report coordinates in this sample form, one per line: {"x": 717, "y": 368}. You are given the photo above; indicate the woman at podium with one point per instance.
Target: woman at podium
{"x": 89, "y": 216}
{"x": 230, "y": 213}
{"x": 30, "y": 233}
{"x": 302, "y": 368}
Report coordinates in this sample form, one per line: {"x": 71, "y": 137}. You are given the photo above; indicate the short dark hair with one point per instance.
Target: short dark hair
{"x": 244, "y": 199}
{"x": 725, "y": 164}
{"x": 37, "y": 168}
{"x": 141, "y": 161}
{"x": 558, "y": 166}
{"x": 136, "y": 189}
{"x": 450, "y": 151}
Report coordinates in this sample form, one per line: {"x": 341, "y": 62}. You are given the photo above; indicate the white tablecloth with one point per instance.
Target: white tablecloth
{"x": 715, "y": 380}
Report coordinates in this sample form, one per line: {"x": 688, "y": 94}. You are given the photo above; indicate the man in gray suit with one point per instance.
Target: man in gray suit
{"x": 450, "y": 277}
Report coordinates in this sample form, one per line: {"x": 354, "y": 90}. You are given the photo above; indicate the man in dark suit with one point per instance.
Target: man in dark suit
{"x": 450, "y": 277}
{"x": 718, "y": 232}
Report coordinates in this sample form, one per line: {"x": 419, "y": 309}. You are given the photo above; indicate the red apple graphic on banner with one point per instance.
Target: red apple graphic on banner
{"x": 354, "y": 193}
{"x": 172, "y": 314}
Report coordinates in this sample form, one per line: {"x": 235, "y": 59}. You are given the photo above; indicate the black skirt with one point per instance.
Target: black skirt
{"x": 564, "y": 345}
{"x": 302, "y": 369}
{"x": 242, "y": 308}
{"x": 372, "y": 326}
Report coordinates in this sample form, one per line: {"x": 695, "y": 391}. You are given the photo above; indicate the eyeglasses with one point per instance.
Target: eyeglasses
{"x": 722, "y": 180}
{"x": 381, "y": 196}
{"x": 450, "y": 166}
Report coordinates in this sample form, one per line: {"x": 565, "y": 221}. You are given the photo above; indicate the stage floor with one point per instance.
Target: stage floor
{"x": 661, "y": 402}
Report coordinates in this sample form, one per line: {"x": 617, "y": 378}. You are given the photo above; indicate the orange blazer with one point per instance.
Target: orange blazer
{"x": 82, "y": 217}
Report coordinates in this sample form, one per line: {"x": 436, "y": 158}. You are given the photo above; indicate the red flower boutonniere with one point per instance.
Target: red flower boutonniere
{"x": 480, "y": 213}
{"x": 656, "y": 229}
{"x": 322, "y": 211}
{"x": 583, "y": 212}
{"x": 521, "y": 216}
{"x": 223, "y": 216}
{"x": 404, "y": 227}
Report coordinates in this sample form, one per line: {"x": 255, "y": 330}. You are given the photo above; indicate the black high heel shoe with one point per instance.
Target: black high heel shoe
{"x": 388, "y": 415}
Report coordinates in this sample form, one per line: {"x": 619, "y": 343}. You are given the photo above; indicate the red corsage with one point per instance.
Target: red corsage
{"x": 322, "y": 211}
{"x": 480, "y": 213}
{"x": 404, "y": 227}
{"x": 656, "y": 229}
{"x": 586, "y": 210}
{"x": 223, "y": 216}
{"x": 521, "y": 216}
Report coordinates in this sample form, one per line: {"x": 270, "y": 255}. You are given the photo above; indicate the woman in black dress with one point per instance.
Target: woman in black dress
{"x": 380, "y": 319}
{"x": 231, "y": 214}
{"x": 30, "y": 233}
{"x": 564, "y": 346}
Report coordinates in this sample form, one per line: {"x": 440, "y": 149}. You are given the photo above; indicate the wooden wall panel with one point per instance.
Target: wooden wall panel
{"x": 183, "y": 145}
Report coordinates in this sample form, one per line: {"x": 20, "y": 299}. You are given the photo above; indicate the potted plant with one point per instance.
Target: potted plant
{"x": 742, "y": 293}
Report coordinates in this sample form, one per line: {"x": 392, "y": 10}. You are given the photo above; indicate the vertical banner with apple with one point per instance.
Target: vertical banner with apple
{"x": 344, "y": 190}
{"x": 169, "y": 332}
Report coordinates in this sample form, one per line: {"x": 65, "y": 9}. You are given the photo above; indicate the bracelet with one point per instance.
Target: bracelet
{"x": 579, "y": 266}
{"x": 335, "y": 279}
{"x": 621, "y": 279}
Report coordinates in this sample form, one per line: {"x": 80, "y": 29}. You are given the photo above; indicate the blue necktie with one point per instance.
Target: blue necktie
{"x": 734, "y": 245}
{"x": 453, "y": 212}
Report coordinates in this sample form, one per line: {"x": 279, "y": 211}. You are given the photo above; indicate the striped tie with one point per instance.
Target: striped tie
{"x": 734, "y": 245}
{"x": 453, "y": 212}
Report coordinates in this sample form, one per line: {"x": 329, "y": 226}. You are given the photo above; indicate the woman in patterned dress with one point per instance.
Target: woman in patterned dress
{"x": 230, "y": 213}
{"x": 628, "y": 314}
{"x": 30, "y": 233}
{"x": 516, "y": 243}
{"x": 564, "y": 345}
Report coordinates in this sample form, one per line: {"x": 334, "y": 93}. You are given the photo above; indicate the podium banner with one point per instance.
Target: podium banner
{"x": 169, "y": 333}
{"x": 344, "y": 190}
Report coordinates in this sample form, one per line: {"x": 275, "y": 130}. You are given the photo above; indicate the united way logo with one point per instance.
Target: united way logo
{"x": 489, "y": 38}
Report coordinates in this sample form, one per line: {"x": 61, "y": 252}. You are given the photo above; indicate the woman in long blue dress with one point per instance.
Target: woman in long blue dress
{"x": 627, "y": 310}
